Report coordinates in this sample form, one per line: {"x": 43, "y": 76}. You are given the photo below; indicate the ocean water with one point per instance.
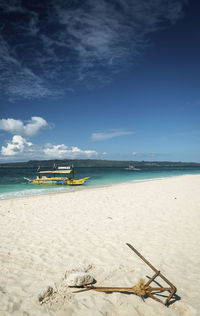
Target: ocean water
{"x": 12, "y": 183}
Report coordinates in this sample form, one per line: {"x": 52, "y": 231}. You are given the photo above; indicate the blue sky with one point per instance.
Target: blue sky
{"x": 100, "y": 80}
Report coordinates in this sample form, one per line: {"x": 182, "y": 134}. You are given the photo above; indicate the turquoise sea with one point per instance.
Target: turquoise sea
{"x": 12, "y": 183}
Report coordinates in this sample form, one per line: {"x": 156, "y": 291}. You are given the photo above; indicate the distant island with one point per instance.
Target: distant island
{"x": 94, "y": 163}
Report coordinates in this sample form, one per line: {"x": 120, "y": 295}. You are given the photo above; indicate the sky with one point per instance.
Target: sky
{"x": 109, "y": 79}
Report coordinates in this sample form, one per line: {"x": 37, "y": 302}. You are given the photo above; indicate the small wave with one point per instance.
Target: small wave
{"x": 28, "y": 192}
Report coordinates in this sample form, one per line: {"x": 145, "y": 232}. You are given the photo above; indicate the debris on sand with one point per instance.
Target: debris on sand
{"x": 42, "y": 298}
{"x": 79, "y": 279}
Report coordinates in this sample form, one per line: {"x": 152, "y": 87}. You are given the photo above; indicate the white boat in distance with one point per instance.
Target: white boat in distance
{"x": 132, "y": 168}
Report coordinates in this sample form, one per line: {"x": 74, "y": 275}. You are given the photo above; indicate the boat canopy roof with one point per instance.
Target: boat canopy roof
{"x": 57, "y": 171}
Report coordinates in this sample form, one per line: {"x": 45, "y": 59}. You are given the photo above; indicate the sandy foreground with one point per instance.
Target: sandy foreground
{"x": 44, "y": 238}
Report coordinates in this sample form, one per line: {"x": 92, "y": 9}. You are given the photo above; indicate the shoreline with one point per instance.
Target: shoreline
{"x": 82, "y": 188}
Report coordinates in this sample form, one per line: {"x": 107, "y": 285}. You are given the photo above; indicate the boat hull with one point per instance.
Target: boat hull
{"x": 76, "y": 181}
{"x": 59, "y": 181}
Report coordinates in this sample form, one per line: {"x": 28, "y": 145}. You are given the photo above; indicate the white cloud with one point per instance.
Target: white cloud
{"x": 20, "y": 148}
{"x": 11, "y": 125}
{"x": 63, "y": 151}
{"x": 17, "y": 145}
{"x": 98, "y": 136}
{"x": 55, "y": 150}
{"x": 33, "y": 126}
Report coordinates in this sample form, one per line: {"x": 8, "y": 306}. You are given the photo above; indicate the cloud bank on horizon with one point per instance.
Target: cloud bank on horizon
{"x": 49, "y": 47}
{"x": 20, "y": 148}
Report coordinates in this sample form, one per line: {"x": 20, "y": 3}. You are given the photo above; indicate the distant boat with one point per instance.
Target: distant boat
{"x": 132, "y": 168}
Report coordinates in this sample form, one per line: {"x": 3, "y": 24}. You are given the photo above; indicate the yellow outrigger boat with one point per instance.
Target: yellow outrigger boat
{"x": 59, "y": 176}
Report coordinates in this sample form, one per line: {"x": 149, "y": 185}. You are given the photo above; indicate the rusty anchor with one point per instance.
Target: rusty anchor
{"x": 142, "y": 289}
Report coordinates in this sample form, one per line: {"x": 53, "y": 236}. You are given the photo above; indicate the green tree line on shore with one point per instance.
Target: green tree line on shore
{"x": 94, "y": 163}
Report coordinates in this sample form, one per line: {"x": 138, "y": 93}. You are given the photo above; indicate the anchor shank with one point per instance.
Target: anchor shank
{"x": 145, "y": 260}
{"x": 110, "y": 289}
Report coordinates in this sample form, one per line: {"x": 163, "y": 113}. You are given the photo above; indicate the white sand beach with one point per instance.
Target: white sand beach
{"x": 45, "y": 238}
